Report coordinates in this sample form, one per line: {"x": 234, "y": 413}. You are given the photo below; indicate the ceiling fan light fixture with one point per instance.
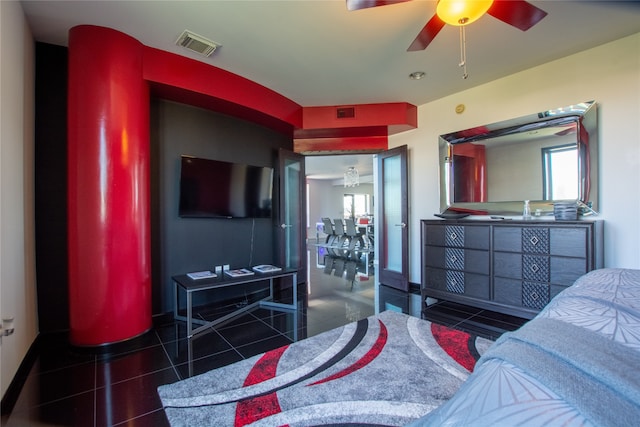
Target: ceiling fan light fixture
{"x": 462, "y": 12}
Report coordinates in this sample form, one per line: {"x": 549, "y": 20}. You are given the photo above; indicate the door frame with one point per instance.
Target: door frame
{"x": 283, "y": 157}
{"x": 395, "y": 279}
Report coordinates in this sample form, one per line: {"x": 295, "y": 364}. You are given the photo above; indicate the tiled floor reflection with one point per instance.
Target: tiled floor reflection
{"x": 69, "y": 387}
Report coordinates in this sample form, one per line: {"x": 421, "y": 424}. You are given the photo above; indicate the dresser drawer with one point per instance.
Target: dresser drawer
{"x": 565, "y": 271}
{"x": 471, "y": 260}
{"x": 528, "y": 294}
{"x": 507, "y": 264}
{"x": 571, "y": 242}
{"x": 456, "y": 282}
{"x": 507, "y": 239}
{"x": 535, "y": 240}
{"x": 558, "y": 270}
{"x": 522, "y": 266}
{"x": 556, "y": 240}
{"x": 459, "y": 236}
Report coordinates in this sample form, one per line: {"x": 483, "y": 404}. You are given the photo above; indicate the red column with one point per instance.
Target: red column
{"x": 108, "y": 185}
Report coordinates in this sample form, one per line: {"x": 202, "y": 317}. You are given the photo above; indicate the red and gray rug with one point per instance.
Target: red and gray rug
{"x": 386, "y": 370}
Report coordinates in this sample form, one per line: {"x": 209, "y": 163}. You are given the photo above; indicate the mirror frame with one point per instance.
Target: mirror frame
{"x": 585, "y": 117}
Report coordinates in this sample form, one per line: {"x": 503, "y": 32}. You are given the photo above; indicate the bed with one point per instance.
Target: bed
{"x": 577, "y": 363}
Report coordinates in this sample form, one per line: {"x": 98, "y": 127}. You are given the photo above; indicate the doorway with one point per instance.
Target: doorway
{"x": 341, "y": 258}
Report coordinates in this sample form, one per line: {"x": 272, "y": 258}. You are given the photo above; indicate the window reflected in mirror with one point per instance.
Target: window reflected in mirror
{"x": 560, "y": 166}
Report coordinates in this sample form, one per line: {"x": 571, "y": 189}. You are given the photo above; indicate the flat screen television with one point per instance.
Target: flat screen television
{"x": 214, "y": 189}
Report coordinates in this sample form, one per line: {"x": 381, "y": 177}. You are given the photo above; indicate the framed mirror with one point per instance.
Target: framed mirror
{"x": 543, "y": 157}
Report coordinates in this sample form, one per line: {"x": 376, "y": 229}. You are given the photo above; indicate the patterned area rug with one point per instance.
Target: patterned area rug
{"x": 386, "y": 370}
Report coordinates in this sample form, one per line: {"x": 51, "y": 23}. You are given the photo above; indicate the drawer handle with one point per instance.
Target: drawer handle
{"x": 534, "y": 296}
{"x": 454, "y": 258}
{"x": 534, "y": 268}
{"x": 453, "y": 236}
{"x": 534, "y": 240}
{"x": 453, "y": 282}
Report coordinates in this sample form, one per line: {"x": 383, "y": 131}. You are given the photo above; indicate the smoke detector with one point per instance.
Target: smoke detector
{"x": 197, "y": 43}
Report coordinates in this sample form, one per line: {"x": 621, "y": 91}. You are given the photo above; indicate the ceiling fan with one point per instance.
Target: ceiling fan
{"x": 518, "y": 13}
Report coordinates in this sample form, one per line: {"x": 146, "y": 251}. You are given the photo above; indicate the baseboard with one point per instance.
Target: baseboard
{"x": 13, "y": 391}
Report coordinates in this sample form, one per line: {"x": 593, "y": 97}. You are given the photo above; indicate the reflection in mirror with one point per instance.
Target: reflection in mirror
{"x": 545, "y": 157}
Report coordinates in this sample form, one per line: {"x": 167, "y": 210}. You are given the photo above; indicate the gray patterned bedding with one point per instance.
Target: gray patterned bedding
{"x": 575, "y": 364}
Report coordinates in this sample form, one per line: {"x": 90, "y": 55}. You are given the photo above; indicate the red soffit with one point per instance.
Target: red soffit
{"x": 369, "y": 144}
{"x": 360, "y": 120}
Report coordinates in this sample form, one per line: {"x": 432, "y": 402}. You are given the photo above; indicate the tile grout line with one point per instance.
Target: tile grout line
{"x": 95, "y": 391}
{"x": 166, "y": 353}
{"x": 278, "y": 332}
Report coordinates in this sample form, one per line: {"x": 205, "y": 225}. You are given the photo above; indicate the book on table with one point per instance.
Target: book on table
{"x": 206, "y": 274}
{"x": 238, "y": 272}
{"x": 266, "y": 268}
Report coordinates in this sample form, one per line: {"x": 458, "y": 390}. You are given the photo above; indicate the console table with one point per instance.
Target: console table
{"x": 190, "y": 286}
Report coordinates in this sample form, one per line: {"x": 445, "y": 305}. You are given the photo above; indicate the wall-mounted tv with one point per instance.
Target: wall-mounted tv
{"x": 213, "y": 189}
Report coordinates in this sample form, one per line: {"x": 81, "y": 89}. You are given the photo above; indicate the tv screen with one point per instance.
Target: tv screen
{"x": 213, "y": 188}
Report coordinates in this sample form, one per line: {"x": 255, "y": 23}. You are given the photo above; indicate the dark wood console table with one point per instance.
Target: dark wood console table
{"x": 190, "y": 286}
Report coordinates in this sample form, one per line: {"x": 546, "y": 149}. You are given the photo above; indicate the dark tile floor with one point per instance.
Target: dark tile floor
{"x": 476, "y": 321}
{"x": 69, "y": 387}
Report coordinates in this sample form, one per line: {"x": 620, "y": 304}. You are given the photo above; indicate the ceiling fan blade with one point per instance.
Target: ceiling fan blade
{"x": 428, "y": 33}
{"x": 364, "y": 4}
{"x": 518, "y": 13}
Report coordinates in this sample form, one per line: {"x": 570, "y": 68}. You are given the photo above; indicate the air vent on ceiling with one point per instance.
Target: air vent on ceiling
{"x": 345, "y": 112}
{"x": 197, "y": 43}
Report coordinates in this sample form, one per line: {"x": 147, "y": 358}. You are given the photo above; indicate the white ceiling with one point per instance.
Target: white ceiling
{"x": 318, "y": 53}
{"x": 334, "y": 167}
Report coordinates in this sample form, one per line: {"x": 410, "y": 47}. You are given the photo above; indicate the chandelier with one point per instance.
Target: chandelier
{"x": 351, "y": 177}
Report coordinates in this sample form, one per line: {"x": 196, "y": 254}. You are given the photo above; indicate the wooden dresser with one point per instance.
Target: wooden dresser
{"x": 508, "y": 266}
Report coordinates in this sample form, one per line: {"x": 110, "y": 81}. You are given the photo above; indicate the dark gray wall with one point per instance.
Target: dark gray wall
{"x": 181, "y": 245}
{"x": 50, "y": 158}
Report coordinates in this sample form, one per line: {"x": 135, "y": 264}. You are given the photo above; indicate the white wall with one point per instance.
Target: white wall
{"x": 321, "y": 203}
{"x": 608, "y": 74}
{"x": 17, "y": 250}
